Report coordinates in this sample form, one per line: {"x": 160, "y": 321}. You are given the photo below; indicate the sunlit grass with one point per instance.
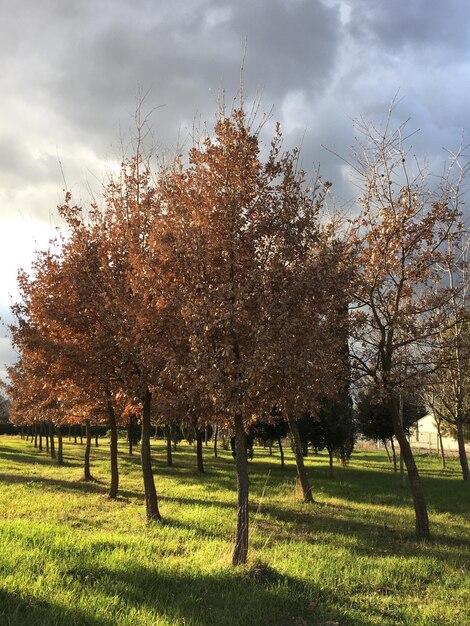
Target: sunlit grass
{"x": 68, "y": 555}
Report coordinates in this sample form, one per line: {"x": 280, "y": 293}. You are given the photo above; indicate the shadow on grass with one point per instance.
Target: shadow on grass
{"x": 252, "y": 596}
{"x": 25, "y": 610}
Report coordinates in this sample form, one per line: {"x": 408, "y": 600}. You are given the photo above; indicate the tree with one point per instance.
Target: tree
{"x": 449, "y": 390}
{"x": 3, "y": 408}
{"x": 245, "y": 243}
{"x": 397, "y": 295}
{"x": 375, "y": 422}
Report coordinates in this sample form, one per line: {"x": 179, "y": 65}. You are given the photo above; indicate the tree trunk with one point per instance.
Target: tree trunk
{"x": 216, "y": 435}
{"x": 462, "y": 452}
{"x": 299, "y": 460}
{"x": 70, "y": 433}
{"x": 386, "y": 450}
{"x": 169, "y": 454}
{"x": 151, "y": 502}
{"x": 35, "y": 435}
{"x": 395, "y": 467}
{"x": 200, "y": 459}
{"x": 51, "y": 436}
{"x": 60, "y": 446}
{"x": 81, "y": 434}
{"x": 86, "y": 462}
{"x": 206, "y": 437}
{"x": 330, "y": 458}
{"x": 240, "y": 551}
{"x": 75, "y": 434}
{"x": 441, "y": 446}
{"x": 281, "y": 450}
{"x": 130, "y": 433}
{"x": 419, "y": 503}
{"x": 40, "y": 436}
{"x": 45, "y": 428}
{"x": 113, "y": 446}
{"x": 96, "y": 436}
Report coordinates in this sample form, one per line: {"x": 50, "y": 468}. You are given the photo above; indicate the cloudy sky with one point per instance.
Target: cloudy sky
{"x": 71, "y": 71}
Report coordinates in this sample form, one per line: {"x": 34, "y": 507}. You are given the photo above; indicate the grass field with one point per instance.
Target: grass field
{"x": 70, "y": 556}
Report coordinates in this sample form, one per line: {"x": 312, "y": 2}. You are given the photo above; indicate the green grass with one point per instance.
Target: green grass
{"x": 70, "y": 556}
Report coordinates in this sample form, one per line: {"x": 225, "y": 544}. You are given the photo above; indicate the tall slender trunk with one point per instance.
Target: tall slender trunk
{"x": 35, "y": 435}
{"x": 96, "y": 436}
{"x": 386, "y": 450}
{"x": 151, "y": 501}
{"x": 130, "y": 433}
{"x": 51, "y": 436}
{"x": 86, "y": 461}
{"x": 41, "y": 426}
{"x": 440, "y": 444}
{"x": 240, "y": 551}
{"x": 419, "y": 503}
{"x": 45, "y": 428}
{"x": 206, "y": 436}
{"x": 169, "y": 453}
{"x": 75, "y": 434}
{"x": 299, "y": 460}
{"x": 70, "y": 433}
{"x": 113, "y": 447}
{"x": 330, "y": 459}
{"x": 81, "y": 434}
{"x": 199, "y": 457}
{"x": 60, "y": 446}
{"x": 216, "y": 436}
{"x": 281, "y": 450}
{"x": 392, "y": 443}
{"x": 462, "y": 452}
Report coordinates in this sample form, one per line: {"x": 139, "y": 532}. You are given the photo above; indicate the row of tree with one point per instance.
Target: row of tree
{"x": 216, "y": 290}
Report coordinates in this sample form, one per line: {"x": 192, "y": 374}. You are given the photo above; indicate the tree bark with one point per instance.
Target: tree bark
{"x": 86, "y": 461}
{"x": 40, "y": 436}
{"x": 51, "y": 436}
{"x": 169, "y": 453}
{"x": 419, "y": 503}
{"x": 130, "y": 433}
{"x": 462, "y": 452}
{"x": 199, "y": 456}
{"x": 281, "y": 450}
{"x": 45, "y": 429}
{"x": 35, "y": 435}
{"x": 386, "y": 450}
{"x": 151, "y": 501}
{"x": 330, "y": 459}
{"x": 60, "y": 446}
{"x": 216, "y": 436}
{"x": 299, "y": 460}
{"x": 441, "y": 446}
{"x": 113, "y": 446}
{"x": 395, "y": 467}
{"x": 240, "y": 551}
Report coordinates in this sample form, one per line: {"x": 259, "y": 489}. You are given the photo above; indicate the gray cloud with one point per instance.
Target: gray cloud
{"x": 71, "y": 71}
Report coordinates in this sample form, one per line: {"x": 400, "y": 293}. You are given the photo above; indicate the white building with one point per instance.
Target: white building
{"x": 426, "y": 438}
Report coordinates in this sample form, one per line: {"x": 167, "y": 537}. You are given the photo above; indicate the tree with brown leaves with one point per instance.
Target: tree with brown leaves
{"x": 397, "y": 295}
{"x": 244, "y": 241}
